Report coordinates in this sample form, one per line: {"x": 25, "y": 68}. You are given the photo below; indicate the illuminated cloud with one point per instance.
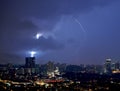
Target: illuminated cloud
{"x": 38, "y": 35}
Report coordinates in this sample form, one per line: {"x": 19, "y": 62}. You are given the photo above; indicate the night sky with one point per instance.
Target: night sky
{"x": 73, "y": 31}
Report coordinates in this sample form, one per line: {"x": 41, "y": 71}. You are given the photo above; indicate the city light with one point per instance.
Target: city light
{"x": 32, "y": 53}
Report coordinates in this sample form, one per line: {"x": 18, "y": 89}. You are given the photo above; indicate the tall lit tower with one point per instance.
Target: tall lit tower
{"x": 108, "y": 69}
{"x": 30, "y": 61}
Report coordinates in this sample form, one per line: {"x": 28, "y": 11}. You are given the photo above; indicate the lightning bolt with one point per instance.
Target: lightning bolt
{"x": 83, "y": 30}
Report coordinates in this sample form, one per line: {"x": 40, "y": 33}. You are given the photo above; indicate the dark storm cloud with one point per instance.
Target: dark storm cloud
{"x": 47, "y": 11}
{"x": 14, "y": 23}
{"x": 21, "y": 19}
{"x": 27, "y": 24}
{"x": 50, "y": 8}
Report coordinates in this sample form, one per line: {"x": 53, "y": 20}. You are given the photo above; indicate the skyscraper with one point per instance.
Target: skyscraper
{"x": 30, "y": 62}
{"x": 107, "y": 65}
{"x": 50, "y": 66}
{"x": 29, "y": 65}
{"x": 117, "y": 66}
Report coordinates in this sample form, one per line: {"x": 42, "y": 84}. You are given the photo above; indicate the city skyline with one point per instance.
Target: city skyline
{"x": 75, "y": 32}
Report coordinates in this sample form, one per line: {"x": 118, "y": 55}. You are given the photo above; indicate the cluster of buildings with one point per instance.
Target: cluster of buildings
{"x": 111, "y": 67}
{"x": 52, "y": 69}
{"x": 59, "y": 76}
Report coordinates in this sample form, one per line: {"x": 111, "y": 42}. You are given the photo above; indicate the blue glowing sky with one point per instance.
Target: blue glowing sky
{"x": 71, "y": 31}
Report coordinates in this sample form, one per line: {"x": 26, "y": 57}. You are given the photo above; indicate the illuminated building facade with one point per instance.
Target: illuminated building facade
{"x": 107, "y": 66}
{"x": 30, "y": 65}
{"x": 30, "y": 62}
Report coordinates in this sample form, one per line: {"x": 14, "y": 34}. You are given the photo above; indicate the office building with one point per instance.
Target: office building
{"x": 30, "y": 62}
